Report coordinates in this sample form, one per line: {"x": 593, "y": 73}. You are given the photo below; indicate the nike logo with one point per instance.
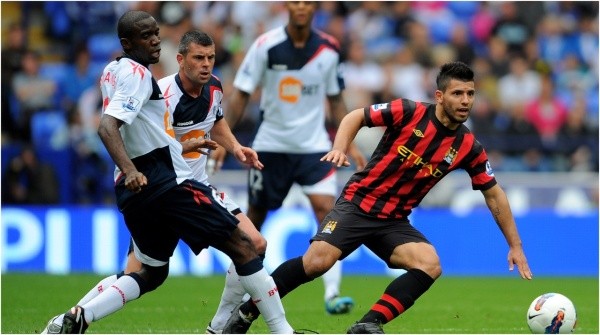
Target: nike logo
{"x": 533, "y": 316}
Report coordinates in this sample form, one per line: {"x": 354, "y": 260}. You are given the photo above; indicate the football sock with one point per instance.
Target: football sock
{"x": 289, "y": 275}
{"x": 263, "y": 291}
{"x": 112, "y": 298}
{"x": 399, "y": 296}
{"x": 332, "y": 280}
{"x": 101, "y": 286}
{"x": 233, "y": 292}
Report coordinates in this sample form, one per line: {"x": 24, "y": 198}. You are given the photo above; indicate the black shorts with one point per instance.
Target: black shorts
{"x": 267, "y": 188}
{"x": 347, "y": 228}
{"x": 190, "y": 211}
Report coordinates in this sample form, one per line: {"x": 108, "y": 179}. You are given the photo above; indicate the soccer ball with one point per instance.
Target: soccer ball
{"x": 551, "y": 313}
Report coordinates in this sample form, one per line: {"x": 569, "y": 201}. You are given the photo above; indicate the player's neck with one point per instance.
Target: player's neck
{"x": 298, "y": 34}
{"x": 189, "y": 87}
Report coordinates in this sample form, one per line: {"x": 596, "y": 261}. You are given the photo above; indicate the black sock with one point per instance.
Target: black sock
{"x": 289, "y": 275}
{"x": 400, "y": 294}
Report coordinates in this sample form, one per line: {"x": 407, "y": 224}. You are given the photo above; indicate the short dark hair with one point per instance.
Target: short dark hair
{"x": 126, "y": 24}
{"x": 194, "y": 36}
{"x": 453, "y": 70}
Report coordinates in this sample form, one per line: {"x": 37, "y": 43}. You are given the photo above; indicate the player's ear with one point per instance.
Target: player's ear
{"x": 125, "y": 44}
{"x": 439, "y": 96}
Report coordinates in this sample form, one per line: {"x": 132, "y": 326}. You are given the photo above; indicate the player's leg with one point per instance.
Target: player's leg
{"x": 256, "y": 281}
{"x": 408, "y": 249}
{"x": 322, "y": 194}
{"x": 233, "y": 292}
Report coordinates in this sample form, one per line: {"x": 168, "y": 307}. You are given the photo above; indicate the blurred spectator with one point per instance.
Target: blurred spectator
{"x": 547, "y": 114}
{"x": 482, "y": 23}
{"x": 79, "y": 77}
{"x": 403, "y": 17}
{"x": 497, "y": 54}
{"x": 460, "y": 41}
{"x": 33, "y": 92}
{"x": 364, "y": 79}
{"x": 520, "y": 85}
{"x": 406, "y": 77}
{"x": 28, "y": 181}
{"x": 510, "y": 27}
{"x": 12, "y": 54}
{"x": 521, "y": 135}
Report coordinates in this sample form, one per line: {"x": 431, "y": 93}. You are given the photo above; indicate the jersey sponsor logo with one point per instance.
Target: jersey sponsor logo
{"x": 418, "y": 133}
{"x": 194, "y": 133}
{"x": 291, "y": 89}
{"x": 377, "y": 107}
{"x": 450, "y": 155}
{"x": 329, "y": 227}
{"x": 409, "y": 156}
{"x": 488, "y": 169}
{"x": 168, "y": 124}
{"x": 186, "y": 123}
{"x": 131, "y": 104}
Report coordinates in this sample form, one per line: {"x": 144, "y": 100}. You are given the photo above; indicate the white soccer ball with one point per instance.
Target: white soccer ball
{"x": 551, "y": 313}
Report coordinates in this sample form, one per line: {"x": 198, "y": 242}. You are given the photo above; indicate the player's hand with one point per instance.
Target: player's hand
{"x": 516, "y": 256}
{"x": 216, "y": 159}
{"x": 134, "y": 181}
{"x": 248, "y": 157}
{"x": 336, "y": 157}
{"x": 357, "y": 157}
{"x": 197, "y": 144}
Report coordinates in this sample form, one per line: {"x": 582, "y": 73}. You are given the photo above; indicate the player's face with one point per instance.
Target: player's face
{"x": 456, "y": 101}
{"x": 301, "y": 12}
{"x": 145, "y": 42}
{"x": 198, "y": 63}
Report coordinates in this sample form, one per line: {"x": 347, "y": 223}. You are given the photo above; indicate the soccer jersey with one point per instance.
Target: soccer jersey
{"x": 193, "y": 117}
{"x": 130, "y": 94}
{"x": 415, "y": 152}
{"x": 295, "y": 82}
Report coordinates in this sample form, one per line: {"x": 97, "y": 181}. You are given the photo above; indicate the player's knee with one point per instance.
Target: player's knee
{"x": 151, "y": 276}
{"x": 260, "y": 243}
{"x": 316, "y": 266}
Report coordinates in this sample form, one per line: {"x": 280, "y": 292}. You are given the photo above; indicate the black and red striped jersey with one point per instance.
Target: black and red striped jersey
{"x": 415, "y": 152}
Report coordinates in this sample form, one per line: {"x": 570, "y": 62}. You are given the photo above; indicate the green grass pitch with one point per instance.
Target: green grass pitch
{"x": 453, "y": 305}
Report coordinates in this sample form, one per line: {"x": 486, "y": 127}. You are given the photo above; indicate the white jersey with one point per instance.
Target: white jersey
{"x": 130, "y": 94}
{"x": 193, "y": 117}
{"x": 295, "y": 83}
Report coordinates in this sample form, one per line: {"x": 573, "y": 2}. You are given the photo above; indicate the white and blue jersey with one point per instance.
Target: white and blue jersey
{"x": 130, "y": 94}
{"x": 193, "y": 117}
{"x": 295, "y": 82}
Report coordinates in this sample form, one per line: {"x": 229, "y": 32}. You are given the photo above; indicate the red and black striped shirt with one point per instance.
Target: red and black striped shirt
{"x": 415, "y": 152}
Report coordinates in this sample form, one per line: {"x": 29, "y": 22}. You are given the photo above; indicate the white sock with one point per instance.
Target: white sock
{"x": 332, "y": 280}
{"x": 111, "y": 299}
{"x": 101, "y": 286}
{"x": 263, "y": 291}
{"x": 233, "y": 292}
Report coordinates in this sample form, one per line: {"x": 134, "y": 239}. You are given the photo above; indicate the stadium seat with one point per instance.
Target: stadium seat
{"x": 103, "y": 46}
{"x": 50, "y": 137}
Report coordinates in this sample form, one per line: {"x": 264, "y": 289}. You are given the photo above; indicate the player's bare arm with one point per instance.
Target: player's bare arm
{"x": 499, "y": 207}
{"x": 197, "y": 144}
{"x": 347, "y": 130}
{"x": 108, "y": 130}
{"x": 237, "y": 104}
{"x": 338, "y": 109}
{"x": 221, "y": 133}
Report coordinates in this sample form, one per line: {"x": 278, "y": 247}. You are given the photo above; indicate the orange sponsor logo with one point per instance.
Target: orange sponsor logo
{"x": 196, "y": 133}
{"x": 290, "y": 89}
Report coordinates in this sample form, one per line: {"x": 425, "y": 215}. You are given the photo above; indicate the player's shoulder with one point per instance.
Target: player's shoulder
{"x": 215, "y": 81}
{"x": 327, "y": 39}
{"x": 128, "y": 69}
{"x": 166, "y": 81}
{"x": 270, "y": 38}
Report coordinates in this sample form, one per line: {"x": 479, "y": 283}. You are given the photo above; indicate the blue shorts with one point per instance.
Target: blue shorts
{"x": 190, "y": 211}
{"x": 267, "y": 188}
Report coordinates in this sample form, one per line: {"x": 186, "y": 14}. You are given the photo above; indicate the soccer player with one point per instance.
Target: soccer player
{"x": 422, "y": 143}
{"x": 193, "y": 97}
{"x": 160, "y": 201}
{"x": 297, "y": 68}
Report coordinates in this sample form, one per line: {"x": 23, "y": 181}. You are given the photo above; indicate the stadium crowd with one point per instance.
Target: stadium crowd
{"x": 536, "y": 66}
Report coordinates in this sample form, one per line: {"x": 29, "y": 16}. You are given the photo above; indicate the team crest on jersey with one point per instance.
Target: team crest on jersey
{"x": 131, "y": 104}
{"x": 379, "y": 106}
{"x": 418, "y": 133}
{"x": 450, "y": 155}
{"x": 329, "y": 227}
{"x": 488, "y": 169}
